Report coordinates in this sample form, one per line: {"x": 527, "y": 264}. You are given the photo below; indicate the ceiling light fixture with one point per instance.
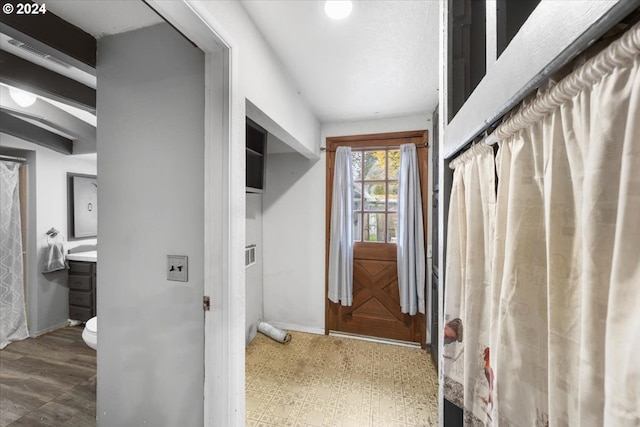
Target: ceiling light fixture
{"x": 338, "y": 9}
{"x": 21, "y": 97}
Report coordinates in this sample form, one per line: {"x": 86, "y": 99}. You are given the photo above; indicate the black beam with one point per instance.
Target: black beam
{"x": 52, "y": 30}
{"x": 23, "y": 74}
{"x": 24, "y": 130}
{"x": 49, "y": 115}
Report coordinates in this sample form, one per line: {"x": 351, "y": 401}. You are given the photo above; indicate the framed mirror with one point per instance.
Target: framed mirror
{"x": 83, "y": 205}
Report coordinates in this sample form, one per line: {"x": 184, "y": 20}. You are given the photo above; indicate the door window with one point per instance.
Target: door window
{"x": 375, "y": 182}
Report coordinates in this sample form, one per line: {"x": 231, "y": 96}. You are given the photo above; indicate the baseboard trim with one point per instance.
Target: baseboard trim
{"x": 49, "y": 329}
{"x": 375, "y": 339}
{"x": 297, "y": 328}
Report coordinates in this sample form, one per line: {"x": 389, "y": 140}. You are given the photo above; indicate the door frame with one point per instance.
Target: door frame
{"x": 378, "y": 140}
{"x": 224, "y": 199}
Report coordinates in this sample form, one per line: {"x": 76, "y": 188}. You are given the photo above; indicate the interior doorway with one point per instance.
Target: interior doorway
{"x": 375, "y": 311}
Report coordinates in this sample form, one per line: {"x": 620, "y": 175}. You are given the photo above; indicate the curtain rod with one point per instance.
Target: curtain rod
{"x": 617, "y": 54}
{"x": 13, "y": 159}
{"x": 381, "y": 147}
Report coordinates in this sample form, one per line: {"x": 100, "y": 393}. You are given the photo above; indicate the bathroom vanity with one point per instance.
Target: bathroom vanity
{"x": 82, "y": 285}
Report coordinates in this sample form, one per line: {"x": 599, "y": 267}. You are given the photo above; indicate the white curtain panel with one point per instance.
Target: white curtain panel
{"x": 566, "y": 317}
{"x": 410, "y": 242}
{"x": 467, "y": 310}
{"x": 562, "y": 307}
{"x": 341, "y": 231}
{"x": 13, "y": 319}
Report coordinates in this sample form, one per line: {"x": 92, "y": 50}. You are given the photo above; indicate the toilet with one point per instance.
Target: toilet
{"x": 90, "y": 333}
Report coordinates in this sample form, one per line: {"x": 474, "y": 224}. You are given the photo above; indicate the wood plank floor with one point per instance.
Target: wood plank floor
{"x": 48, "y": 381}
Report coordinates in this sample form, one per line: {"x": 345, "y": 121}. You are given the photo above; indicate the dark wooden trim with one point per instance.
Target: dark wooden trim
{"x": 49, "y": 29}
{"x": 26, "y": 75}
{"x": 418, "y": 137}
{"x": 375, "y": 251}
{"x": 24, "y": 130}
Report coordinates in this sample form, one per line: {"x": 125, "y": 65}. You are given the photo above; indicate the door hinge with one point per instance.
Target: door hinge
{"x": 206, "y": 303}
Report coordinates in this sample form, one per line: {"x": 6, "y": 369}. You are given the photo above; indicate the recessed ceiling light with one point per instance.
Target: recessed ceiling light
{"x": 21, "y": 97}
{"x": 338, "y": 9}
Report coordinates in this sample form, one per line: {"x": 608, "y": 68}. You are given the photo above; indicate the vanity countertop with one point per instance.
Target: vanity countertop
{"x": 90, "y": 256}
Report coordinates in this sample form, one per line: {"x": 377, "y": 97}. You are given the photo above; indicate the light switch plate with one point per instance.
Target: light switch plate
{"x": 177, "y": 268}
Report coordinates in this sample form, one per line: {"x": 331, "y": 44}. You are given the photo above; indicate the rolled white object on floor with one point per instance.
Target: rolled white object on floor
{"x": 271, "y": 331}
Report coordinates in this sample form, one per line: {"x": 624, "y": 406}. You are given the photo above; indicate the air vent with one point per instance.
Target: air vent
{"x": 32, "y": 50}
{"x": 249, "y": 255}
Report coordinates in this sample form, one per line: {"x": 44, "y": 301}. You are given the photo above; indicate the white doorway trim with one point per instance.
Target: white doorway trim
{"x": 224, "y": 201}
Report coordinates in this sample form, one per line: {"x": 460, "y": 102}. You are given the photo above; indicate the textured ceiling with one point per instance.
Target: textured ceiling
{"x": 381, "y": 61}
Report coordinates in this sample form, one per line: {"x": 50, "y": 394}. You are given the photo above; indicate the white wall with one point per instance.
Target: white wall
{"x": 264, "y": 81}
{"x": 47, "y": 293}
{"x": 253, "y": 275}
{"x": 293, "y": 232}
{"x": 150, "y": 107}
{"x": 294, "y": 227}
{"x": 273, "y": 102}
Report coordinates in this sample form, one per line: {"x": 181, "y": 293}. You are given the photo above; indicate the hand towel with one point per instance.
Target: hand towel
{"x": 54, "y": 258}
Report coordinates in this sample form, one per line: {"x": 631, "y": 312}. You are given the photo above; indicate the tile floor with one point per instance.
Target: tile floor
{"x": 318, "y": 380}
{"x": 48, "y": 381}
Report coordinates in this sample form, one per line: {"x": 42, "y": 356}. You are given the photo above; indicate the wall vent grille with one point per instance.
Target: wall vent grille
{"x": 249, "y": 255}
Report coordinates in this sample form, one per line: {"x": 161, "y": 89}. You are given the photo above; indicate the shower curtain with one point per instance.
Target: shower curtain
{"x": 341, "y": 231}
{"x": 561, "y": 307}
{"x": 13, "y": 319}
{"x": 410, "y": 244}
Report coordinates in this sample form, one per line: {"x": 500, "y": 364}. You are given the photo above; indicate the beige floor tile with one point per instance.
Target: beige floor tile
{"x": 321, "y": 381}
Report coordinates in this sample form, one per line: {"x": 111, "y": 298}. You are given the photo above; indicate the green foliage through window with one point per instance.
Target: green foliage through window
{"x": 375, "y": 176}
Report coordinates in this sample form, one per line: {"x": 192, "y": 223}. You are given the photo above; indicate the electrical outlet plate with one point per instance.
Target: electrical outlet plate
{"x": 177, "y": 268}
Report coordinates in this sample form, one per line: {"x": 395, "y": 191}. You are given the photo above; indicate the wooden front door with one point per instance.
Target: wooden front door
{"x": 376, "y": 299}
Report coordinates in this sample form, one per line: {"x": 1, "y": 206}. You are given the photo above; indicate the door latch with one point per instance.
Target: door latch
{"x": 206, "y": 303}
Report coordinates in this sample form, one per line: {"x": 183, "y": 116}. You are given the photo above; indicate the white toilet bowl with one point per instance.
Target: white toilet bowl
{"x": 90, "y": 333}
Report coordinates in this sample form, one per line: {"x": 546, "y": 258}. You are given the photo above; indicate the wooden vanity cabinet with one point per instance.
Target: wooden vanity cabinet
{"x": 82, "y": 290}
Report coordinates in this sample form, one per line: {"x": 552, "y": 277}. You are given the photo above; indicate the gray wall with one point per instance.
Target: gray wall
{"x": 150, "y": 163}
{"x": 253, "y": 275}
{"x": 47, "y": 297}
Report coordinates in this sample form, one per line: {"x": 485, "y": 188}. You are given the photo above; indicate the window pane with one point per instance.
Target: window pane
{"x": 392, "y": 228}
{"x": 356, "y": 165}
{"x": 374, "y": 165}
{"x": 394, "y": 164}
{"x": 357, "y": 227}
{"x": 374, "y": 194}
{"x": 374, "y": 228}
{"x": 357, "y": 196}
{"x": 393, "y": 197}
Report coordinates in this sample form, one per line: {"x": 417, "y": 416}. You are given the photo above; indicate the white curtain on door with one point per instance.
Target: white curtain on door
{"x": 341, "y": 230}
{"x": 562, "y": 308}
{"x": 410, "y": 242}
{"x": 13, "y": 319}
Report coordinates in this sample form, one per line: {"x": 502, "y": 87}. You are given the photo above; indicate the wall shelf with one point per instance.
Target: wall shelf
{"x": 256, "y": 144}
